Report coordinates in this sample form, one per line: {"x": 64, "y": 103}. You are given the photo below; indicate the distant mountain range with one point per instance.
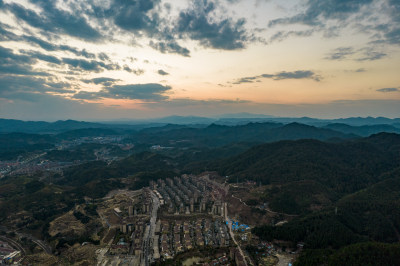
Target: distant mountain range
{"x": 244, "y": 118}
{"x": 362, "y": 126}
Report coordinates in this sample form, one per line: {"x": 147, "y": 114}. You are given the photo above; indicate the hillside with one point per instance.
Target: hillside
{"x": 371, "y": 214}
{"x": 219, "y": 135}
{"x": 365, "y": 130}
{"x": 345, "y": 166}
{"x": 14, "y": 144}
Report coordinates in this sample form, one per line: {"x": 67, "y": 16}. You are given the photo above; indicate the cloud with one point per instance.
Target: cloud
{"x": 393, "y": 36}
{"x": 6, "y": 35}
{"x": 65, "y": 48}
{"x": 385, "y": 90}
{"x": 382, "y": 24}
{"x": 391, "y": 30}
{"x": 43, "y": 57}
{"x": 200, "y": 23}
{"x": 54, "y": 20}
{"x": 247, "y": 79}
{"x": 103, "y": 81}
{"x": 317, "y": 12}
{"x": 360, "y": 70}
{"x": 203, "y": 21}
{"x": 282, "y": 35}
{"x": 170, "y": 47}
{"x": 137, "y": 72}
{"x": 16, "y": 64}
{"x": 370, "y": 54}
{"x": 299, "y": 74}
{"x": 341, "y": 53}
{"x": 23, "y": 87}
{"x": 23, "y": 63}
{"x": 33, "y": 106}
{"x": 146, "y": 92}
{"x": 89, "y": 65}
{"x": 162, "y": 72}
{"x": 135, "y": 15}
{"x": 150, "y": 91}
{"x": 364, "y": 54}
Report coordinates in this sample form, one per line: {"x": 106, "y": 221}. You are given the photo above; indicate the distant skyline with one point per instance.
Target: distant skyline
{"x": 134, "y": 59}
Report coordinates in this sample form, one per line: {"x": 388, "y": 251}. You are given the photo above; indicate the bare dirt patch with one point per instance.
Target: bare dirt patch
{"x": 66, "y": 224}
{"x": 81, "y": 255}
{"x": 42, "y": 259}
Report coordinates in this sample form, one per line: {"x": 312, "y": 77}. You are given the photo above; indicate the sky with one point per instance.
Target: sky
{"x": 134, "y": 59}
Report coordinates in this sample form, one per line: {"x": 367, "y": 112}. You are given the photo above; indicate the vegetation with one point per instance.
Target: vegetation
{"x": 13, "y": 145}
{"x": 369, "y": 253}
{"x": 219, "y": 135}
{"x": 371, "y": 214}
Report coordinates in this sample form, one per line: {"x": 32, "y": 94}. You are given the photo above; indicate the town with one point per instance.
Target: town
{"x": 169, "y": 218}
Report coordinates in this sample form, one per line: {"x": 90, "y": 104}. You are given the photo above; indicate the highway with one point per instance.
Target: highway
{"x": 147, "y": 256}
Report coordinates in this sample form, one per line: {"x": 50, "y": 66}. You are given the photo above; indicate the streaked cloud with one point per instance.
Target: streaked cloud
{"x": 363, "y": 54}
{"x": 103, "y": 81}
{"x": 299, "y": 74}
{"x": 388, "y": 90}
{"x": 170, "y": 47}
{"x": 317, "y": 12}
{"x": 341, "y": 53}
{"x": 146, "y": 92}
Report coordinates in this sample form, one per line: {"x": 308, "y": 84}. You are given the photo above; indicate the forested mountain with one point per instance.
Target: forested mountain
{"x": 219, "y": 135}
{"x": 14, "y": 144}
{"x": 372, "y": 214}
{"x": 10, "y": 125}
{"x": 365, "y": 130}
{"x": 344, "y": 166}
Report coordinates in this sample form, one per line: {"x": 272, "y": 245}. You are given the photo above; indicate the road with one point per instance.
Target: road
{"x": 147, "y": 255}
{"x": 14, "y": 244}
{"x": 231, "y": 232}
{"x": 42, "y": 244}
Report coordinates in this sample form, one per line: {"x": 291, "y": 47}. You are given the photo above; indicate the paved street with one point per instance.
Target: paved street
{"x": 147, "y": 257}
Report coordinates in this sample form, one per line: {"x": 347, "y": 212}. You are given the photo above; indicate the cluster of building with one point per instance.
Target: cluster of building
{"x": 67, "y": 144}
{"x": 178, "y": 236}
{"x": 187, "y": 195}
{"x": 45, "y": 165}
{"x": 266, "y": 249}
{"x": 6, "y": 167}
{"x": 131, "y": 232}
{"x": 182, "y": 200}
{"x": 8, "y": 255}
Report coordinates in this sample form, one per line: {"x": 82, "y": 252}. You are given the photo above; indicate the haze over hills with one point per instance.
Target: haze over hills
{"x": 11, "y": 125}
